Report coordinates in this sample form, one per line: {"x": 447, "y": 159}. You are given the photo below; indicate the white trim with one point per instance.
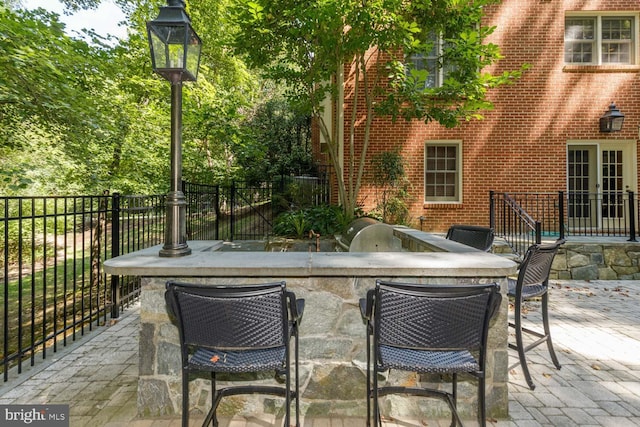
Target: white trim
{"x": 635, "y": 53}
{"x": 629, "y": 151}
{"x": 459, "y": 169}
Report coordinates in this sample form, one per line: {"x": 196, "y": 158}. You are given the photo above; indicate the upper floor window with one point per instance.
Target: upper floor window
{"x": 442, "y": 171}
{"x": 430, "y": 62}
{"x": 600, "y": 39}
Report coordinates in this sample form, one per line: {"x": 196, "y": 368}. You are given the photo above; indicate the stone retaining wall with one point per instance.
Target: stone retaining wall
{"x": 580, "y": 260}
{"x": 597, "y": 261}
{"x": 617, "y": 259}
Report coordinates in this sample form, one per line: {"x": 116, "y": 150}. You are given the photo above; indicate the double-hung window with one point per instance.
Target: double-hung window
{"x": 431, "y": 62}
{"x": 442, "y": 172}
{"x": 601, "y": 39}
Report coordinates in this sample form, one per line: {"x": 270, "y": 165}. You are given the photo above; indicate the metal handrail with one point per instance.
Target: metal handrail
{"x": 515, "y": 225}
{"x": 515, "y": 216}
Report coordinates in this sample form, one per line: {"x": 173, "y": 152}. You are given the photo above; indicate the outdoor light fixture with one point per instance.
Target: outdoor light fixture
{"x": 175, "y": 55}
{"x": 611, "y": 121}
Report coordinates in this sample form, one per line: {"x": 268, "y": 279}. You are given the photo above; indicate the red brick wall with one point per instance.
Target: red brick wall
{"x": 521, "y": 144}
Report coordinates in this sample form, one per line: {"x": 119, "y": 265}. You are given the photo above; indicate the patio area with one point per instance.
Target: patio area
{"x": 594, "y": 327}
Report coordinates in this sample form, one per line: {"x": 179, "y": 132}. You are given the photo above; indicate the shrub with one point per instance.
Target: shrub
{"x": 324, "y": 220}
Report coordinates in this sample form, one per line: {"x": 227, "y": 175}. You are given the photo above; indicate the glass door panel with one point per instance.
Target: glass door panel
{"x": 612, "y": 188}
{"x": 582, "y": 182}
{"x": 599, "y": 176}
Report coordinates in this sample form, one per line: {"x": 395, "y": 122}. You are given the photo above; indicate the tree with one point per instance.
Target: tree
{"x": 391, "y": 184}
{"x": 308, "y": 43}
{"x": 281, "y": 140}
{"x": 53, "y": 102}
{"x": 82, "y": 115}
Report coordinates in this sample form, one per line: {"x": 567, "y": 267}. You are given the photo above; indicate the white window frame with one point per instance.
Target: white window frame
{"x": 440, "y": 199}
{"x": 597, "y": 42}
{"x": 434, "y": 55}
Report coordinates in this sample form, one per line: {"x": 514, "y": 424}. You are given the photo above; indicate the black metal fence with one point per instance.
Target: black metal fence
{"x": 245, "y": 211}
{"x": 203, "y": 211}
{"x": 523, "y": 219}
{"x": 54, "y": 285}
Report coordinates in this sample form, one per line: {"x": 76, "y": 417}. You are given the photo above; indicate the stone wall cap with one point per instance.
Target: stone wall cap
{"x": 205, "y": 260}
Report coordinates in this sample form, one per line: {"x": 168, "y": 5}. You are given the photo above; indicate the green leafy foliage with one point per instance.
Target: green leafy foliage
{"x": 80, "y": 116}
{"x": 56, "y": 102}
{"x": 323, "y": 220}
{"x": 392, "y": 188}
{"x": 46, "y": 75}
{"x": 308, "y": 43}
{"x": 280, "y": 141}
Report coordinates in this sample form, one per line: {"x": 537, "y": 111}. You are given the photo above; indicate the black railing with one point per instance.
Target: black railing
{"x": 602, "y": 214}
{"x": 512, "y": 222}
{"x": 137, "y": 223}
{"x": 54, "y": 286}
{"x": 53, "y": 251}
{"x": 246, "y": 211}
{"x": 526, "y": 218}
{"x": 228, "y": 212}
{"x": 203, "y": 211}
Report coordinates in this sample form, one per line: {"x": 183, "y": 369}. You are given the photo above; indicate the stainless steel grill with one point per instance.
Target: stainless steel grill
{"x": 369, "y": 235}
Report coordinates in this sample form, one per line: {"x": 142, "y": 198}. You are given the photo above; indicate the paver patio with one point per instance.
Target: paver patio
{"x": 595, "y": 328}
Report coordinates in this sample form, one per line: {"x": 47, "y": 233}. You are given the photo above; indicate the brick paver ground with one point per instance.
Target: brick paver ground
{"x": 595, "y": 327}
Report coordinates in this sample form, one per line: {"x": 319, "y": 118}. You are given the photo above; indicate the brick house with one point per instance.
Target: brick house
{"x": 543, "y": 135}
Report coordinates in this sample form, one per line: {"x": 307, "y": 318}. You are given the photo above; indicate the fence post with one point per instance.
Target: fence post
{"x": 217, "y": 208}
{"x": 506, "y": 229}
{"x": 538, "y": 232}
{"x": 561, "y": 213}
{"x": 5, "y": 299}
{"x": 632, "y": 217}
{"x": 187, "y": 197}
{"x": 115, "y": 251}
{"x": 232, "y": 196}
{"x": 492, "y": 214}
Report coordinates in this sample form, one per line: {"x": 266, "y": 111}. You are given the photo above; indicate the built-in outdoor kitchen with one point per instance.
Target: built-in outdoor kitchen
{"x": 332, "y": 333}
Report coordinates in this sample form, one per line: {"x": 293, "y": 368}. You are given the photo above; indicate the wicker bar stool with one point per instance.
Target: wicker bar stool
{"x": 472, "y": 235}
{"x": 533, "y": 283}
{"x": 237, "y": 329}
{"x": 438, "y": 329}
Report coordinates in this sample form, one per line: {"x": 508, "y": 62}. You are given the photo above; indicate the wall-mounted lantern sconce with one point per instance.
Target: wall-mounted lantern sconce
{"x": 611, "y": 120}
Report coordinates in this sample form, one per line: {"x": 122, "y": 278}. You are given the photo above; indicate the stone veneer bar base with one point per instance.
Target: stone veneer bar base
{"x": 332, "y": 335}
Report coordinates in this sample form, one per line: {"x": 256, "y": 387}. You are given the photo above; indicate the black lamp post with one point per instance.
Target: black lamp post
{"x": 611, "y": 120}
{"x": 175, "y": 55}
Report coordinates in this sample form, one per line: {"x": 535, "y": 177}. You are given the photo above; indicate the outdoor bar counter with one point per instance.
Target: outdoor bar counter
{"x": 332, "y": 334}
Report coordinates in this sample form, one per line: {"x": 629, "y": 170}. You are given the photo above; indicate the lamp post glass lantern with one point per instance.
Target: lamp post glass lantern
{"x": 175, "y": 55}
{"x": 175, "y": 46}
{"x": 612, "y": 119}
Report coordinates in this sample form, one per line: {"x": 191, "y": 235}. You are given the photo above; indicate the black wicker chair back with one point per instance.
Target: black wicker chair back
{"x": 438, "y": 329}
{"x": 234, "y": 329}
{"x": 533, "y": 282}
{"x": 472, "y": 235}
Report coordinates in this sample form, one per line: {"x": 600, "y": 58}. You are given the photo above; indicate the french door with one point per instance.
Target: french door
{"x": 599, "y": 175}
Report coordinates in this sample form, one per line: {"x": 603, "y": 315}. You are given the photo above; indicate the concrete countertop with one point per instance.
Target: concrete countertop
{"x": 205, "y": 261}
